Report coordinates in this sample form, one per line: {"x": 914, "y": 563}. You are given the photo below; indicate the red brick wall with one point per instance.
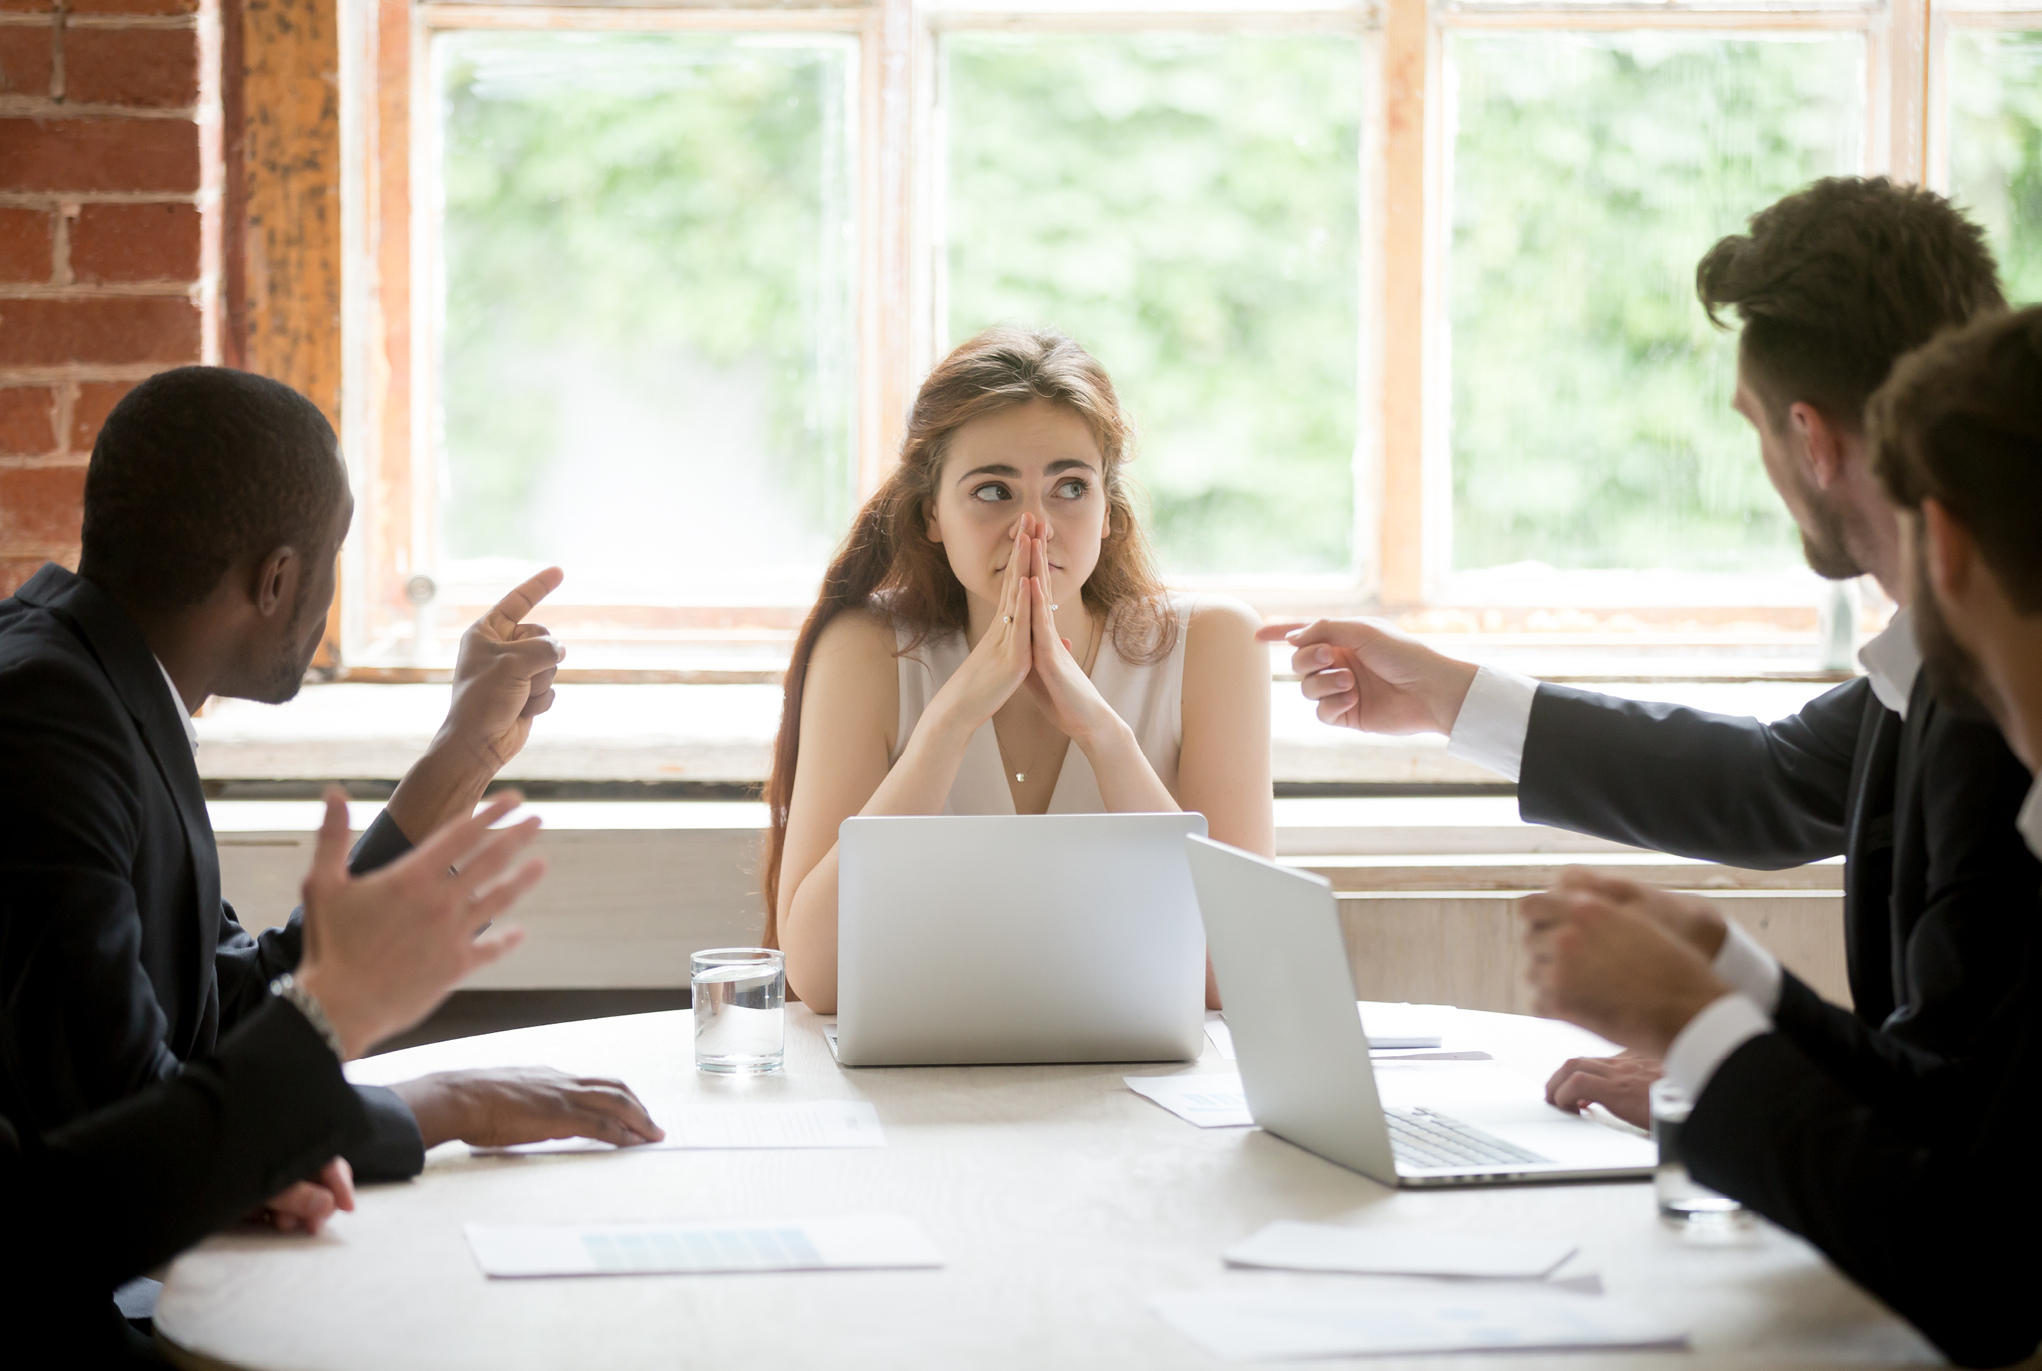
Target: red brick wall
{"x": 109, "y": 172}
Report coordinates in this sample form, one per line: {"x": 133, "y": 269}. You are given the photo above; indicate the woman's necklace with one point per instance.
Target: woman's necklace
{"x": 1020, "y": 774}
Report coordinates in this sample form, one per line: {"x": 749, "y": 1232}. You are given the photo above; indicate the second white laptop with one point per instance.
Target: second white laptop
{"x": 980, "y": 939}
{"x": 1283, "y": 976}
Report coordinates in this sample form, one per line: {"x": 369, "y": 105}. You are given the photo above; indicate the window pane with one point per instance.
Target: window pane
{"x": 645, "y": 354}
{"x": 1995, "y": 83}
{"x": 1591, "y": 421}
{"x": 1188, "y": 209}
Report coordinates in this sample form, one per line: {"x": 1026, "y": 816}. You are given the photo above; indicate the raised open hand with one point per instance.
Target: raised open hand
{"x": 1371, "y": 677}
{"x": 382, "y": 950}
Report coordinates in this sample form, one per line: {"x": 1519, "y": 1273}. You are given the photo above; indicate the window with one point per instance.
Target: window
{"x": 644, "y": 350}
{"x": 1590, "y": 424}
{"x": 1994, "y": 151}
{"x": 1399, "y": 292}
{"x": 1189, "y": 206}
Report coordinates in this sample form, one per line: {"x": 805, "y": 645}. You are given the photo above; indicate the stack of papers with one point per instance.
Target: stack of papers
{"x": 1390, "y": 1028}
{"x": 807, "y": 1123}
{"x": 861, "y": 1242}
{"x": 1259, "y": 1325}
{"x": 1485, "y": 1294}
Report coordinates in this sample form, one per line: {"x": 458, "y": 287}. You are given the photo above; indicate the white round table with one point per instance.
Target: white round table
{"x": 1060, "y": 1199}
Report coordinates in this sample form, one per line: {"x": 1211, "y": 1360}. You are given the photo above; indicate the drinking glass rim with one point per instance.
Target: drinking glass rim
{"x": 737, "y": 956}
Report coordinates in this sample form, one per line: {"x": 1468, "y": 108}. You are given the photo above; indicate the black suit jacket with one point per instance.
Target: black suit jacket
{"x": 118, "y": 959}
{"x": 121, "y": 1190}
{"x": 1944, "y": 1234}
{"x": 1940, "y": 901}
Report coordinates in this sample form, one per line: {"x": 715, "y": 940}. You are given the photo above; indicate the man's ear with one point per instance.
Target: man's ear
{"x": 276, "y": 581}
{"x": 1821, "y": 443}
{"x": 1948, "y": 553}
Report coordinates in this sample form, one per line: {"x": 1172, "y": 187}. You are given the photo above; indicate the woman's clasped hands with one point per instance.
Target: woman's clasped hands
{"x": 1022, "y": 647}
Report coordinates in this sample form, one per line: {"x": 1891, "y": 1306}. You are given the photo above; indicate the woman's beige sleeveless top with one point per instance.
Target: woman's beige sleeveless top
{"x": 1149, "y": 698}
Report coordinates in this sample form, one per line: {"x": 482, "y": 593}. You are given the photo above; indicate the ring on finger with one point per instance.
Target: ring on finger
{"x": 1006, "y": 618}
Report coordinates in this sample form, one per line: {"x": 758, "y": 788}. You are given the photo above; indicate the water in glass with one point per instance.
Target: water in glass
{"x": 740, "y": 1015}
{"x": 1683, "y": 1200}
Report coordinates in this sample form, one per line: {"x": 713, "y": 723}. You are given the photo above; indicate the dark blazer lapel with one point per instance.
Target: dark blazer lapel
{"x": 1868, "y": 850}
{"x": 124, "y": 655}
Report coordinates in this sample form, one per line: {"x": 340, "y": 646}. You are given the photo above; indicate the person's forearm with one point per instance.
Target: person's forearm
{"x": 443, "y": 785}
{"x": 1127, "y": 783}
{"x": 919, "y": 783}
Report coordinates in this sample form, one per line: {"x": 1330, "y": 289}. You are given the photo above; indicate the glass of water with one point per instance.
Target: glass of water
{"x": 740, "y": 998}
{"x": 1684, "y": 1201}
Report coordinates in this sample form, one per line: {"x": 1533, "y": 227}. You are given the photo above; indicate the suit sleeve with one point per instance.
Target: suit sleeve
{"x": 125, "y": 1188}
{"x": 80, "y": 1027}
{"x": 392, "y": 1148}
{"x": 1943, "y": 1237}
{"x": 1680, "y": 780}
{"x": 1957, "y": 969}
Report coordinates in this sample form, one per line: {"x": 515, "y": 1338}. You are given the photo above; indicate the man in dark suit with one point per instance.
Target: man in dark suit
{"x": 215, "y": 505}
{"x": 1942, "y": 1230}
{"x": 125, "y": 1188}
{"x": 1832, "y": 284}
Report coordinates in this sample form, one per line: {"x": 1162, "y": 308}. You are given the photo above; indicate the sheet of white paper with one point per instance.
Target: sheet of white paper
{"x": 639, "y": 1249}
{"x": 1405, "y": 1025}
{"x": 1213, "y": 1101}
{"x": 800, "y": 1123}
{"x": 1256, "y": 1325}
{"x": 1292, "y": 1246}
{"x": 1390, "y": 1028}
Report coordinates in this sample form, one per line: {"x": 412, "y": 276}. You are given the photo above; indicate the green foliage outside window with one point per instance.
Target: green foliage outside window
{"x": 645, "y": 204}
{"x": 1591, "y": 423}
{"x": 1995, "y": 83}
{"x": 1189, "y": 209}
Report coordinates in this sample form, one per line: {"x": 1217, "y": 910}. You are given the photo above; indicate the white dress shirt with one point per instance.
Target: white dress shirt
{"x": 191, "y": 732}
{"x": 1490, "y": 732}
{"x": 2029, "y": 820}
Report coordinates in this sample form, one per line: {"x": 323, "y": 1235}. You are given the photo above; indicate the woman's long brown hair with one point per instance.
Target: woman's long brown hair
{"x": 889, "y": 562}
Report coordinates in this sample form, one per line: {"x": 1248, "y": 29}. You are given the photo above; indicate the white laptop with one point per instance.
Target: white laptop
{"x": 1289, "y": 996}
{"x": 978, "y": 939}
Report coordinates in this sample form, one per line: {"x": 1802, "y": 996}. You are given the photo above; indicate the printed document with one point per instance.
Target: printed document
{"x": 799, "y": 1123}
{"x": 1262, "y": 1325}
{"x": 1210, "y": 1101}
{"x": 647, "y": 1249}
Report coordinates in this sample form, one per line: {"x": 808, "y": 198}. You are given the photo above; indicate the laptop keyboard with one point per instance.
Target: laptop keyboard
{"x": 1432, "y": 1141}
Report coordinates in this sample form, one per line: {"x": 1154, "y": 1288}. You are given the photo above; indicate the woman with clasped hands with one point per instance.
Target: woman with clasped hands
{"x": 992, "y": 638}
{"x": 120, "y": 1191}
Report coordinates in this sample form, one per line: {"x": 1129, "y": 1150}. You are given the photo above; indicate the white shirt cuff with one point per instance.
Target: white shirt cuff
{"x": 1711, "y": 1036}
{"x": 1493, "y": 721}
{"x": 1747, "y": 968}
{"x": 2030, "y": 819}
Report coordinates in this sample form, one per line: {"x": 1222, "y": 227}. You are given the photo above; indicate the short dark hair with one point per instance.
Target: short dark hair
{"x": 1960, "y": 423}
{"x": 1838, "y": 280}
{"x": 198, "y": 468}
